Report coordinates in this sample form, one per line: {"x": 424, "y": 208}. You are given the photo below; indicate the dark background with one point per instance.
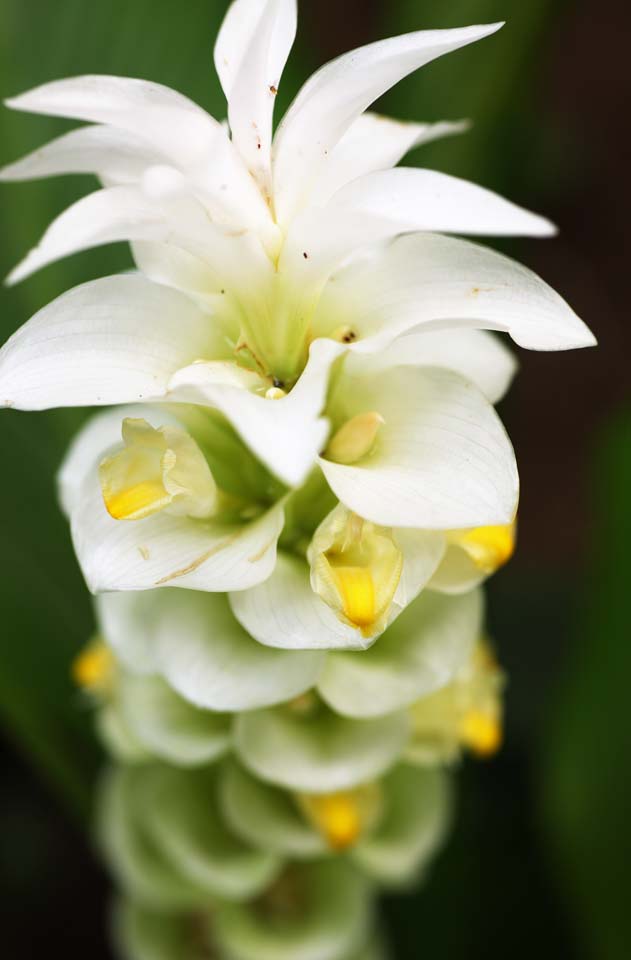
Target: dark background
{"x": 538, "y": 860}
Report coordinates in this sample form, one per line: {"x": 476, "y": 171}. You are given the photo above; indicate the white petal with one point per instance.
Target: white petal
{"x": 418, "y": 811}
{"x": 193, "y": 640}
{"x": 428, "y": 281}
{"x": 181, "y": 130}
{"x": 442, "y": 452}
{"x": 166, "y": 550}
{"x": 457, "y": 573}
{"x": 128, "y": 213}
{"x": 318, "y": 754}
{"x": 183, "y": 819}
{"x": 330, "y": 920}
{"x": 266, "y": 816}
{"x": 139, "y": 867}
{"x": 250, "y": 54}
{"x": 414, "y": 199}
{"x": 374, "y": 142}
{"x": 476, "y": 355}
{"x": 285, "y": 612}
{"x": 337, "y": 94}
{"x": 140, "y": 933}
{"x": 381, "y": 205}
{"x": 175, "y": 267}
{"x": 119, "y": 155}
{"x": 116, "y": 736}
{"x": 286, "y": 434}
{"x": 168, "y": 726}
{"x": 114, "y": 340}
{"x": 418, "y": 654}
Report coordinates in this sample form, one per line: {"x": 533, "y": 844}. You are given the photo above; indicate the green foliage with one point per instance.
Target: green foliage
{"x": 587, "y": 790}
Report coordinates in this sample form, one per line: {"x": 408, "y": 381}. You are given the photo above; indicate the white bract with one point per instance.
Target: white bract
{"x": 262, "y": 259}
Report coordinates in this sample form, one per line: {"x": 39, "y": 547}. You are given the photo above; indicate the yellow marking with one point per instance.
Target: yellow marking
{"x": 489, "y": 547}
{"x": 357, "y": 590}
{"x": 128, "y": 504}
{"x": 481, "y": 732}
{"x": 337, "y": 816}
{"x": 93, "y": 668}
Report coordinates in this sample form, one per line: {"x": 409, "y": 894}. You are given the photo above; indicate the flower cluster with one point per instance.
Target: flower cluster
{"x": 302, "y": 438}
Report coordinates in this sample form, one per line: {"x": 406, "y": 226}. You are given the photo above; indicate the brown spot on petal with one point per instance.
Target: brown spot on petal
{"x": 195, "y": 564}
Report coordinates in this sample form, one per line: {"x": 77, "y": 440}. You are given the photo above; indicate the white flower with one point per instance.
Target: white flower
{"x": 194, "y": 642}
{"x": 263, "y": 260}
{"x": 166, "y": 510}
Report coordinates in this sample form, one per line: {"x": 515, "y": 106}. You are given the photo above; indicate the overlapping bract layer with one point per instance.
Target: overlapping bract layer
{"x": 303, "y": 368}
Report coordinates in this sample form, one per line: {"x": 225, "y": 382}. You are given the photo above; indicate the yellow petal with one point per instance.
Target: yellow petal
{"x": 343, "y": 817}
{"x": 135, "y": 502}
{"x": 488, "y": 547}
{"x": 481, "y": 731}
{"x": 357, "y": 590}
{"x": 93, "y": 669}
{"x": 355, "y": 568}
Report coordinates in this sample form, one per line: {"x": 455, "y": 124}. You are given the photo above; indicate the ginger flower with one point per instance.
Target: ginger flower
{"x": 262, "y": 259}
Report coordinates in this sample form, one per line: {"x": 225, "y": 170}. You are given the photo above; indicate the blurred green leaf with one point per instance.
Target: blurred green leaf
{"x": 587, "y": 789}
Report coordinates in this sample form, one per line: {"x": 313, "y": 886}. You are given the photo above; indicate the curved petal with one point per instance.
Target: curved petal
{"x": 414, "y": 199}
{"x": 130, "y": 213}
{"x": 457, "y": 573}
{"x": 250, "y": 54}
{"x": 332, "y": 920}
{"x": 139, "y": 867}
{"x": 337, "y": 94}
{"x": 168, "y": 726}
{"x": 417, "y": 814}
{"x": 427, "y": 281}
{"x": 119, "y": 155}
{"x": 421, "y": 652}
{"x": 475, "y": 355}
{"x": 114, "y": 340}
{"x": 374, "y": 142}
{"x": 320, "y": 752}
{"x": 183, "y": 819}
{"x": 116, "y": 736}
{"x": 174, "y": 267}
{"x": 441, "y": 453}
{"x": 266, "y": 816}
{"x": 179, "y": 128}
{"x": 193, "y": 640}
{"x": 286, "y": 434}
{"x": 141, "y": 933}
{"x": 381, "y": 205}
{"x": 285, "y": 612}
{"x": 174, "y": 551}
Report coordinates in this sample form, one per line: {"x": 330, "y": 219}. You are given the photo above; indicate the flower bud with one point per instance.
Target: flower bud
{"x": 157, "y": 469}
{"x": 343, "y": 818}
{"x": 465, "y": 714}
{"x": 94, "y": 668}
{"x": 355, "y": 568}
{"x": 355, "y": 439}
{"x": 488, "y": 547}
